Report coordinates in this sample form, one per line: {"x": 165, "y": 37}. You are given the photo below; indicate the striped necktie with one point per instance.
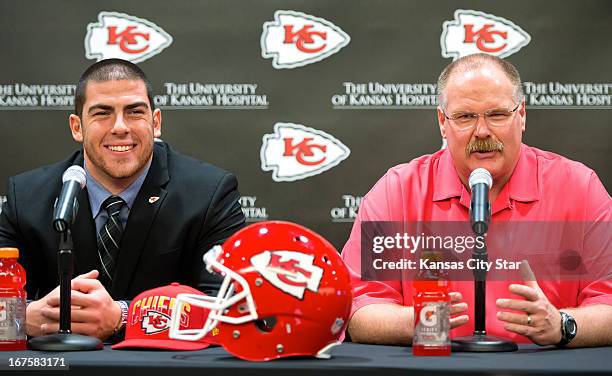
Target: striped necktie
{"x": 109, "y": 240}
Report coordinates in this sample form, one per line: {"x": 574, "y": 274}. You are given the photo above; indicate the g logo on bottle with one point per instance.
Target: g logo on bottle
{"x": 428, "y": 316}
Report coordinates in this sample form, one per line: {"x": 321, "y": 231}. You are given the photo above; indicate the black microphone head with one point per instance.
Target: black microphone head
{"x": 76, "y": 173}
{"x": 66, "y": 205}
{"x": 480, "y": 175}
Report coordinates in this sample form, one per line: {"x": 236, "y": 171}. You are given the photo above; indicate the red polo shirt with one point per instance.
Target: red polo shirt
{"x": 543, "y": 187}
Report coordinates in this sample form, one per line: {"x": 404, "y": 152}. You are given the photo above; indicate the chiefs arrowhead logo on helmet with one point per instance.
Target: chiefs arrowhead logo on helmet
{"x": 126, "y": 37}
{"x": 477, "y": 32}
{"x": 292, "y": 272}
{"x": 155, "y": 322}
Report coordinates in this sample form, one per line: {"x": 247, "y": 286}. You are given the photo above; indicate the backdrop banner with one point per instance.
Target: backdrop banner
{"x": 307, "y": 102}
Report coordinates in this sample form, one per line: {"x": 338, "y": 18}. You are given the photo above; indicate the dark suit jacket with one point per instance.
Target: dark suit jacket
{"x": 163, "y": 241}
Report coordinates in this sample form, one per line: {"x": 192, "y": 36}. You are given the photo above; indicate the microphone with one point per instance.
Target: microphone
{"x": 66, "y": 205}
{"x": 480, "y": 209}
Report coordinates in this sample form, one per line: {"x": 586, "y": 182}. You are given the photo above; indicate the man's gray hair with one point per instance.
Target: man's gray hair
{"x": 474, "y": 62}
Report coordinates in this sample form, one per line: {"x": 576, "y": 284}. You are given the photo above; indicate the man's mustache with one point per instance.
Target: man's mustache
{"x": 484, "y": 146}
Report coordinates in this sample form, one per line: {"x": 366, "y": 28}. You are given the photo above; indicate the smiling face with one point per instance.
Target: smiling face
{"x": 117, "y": 129}
{"x": 495, "y": 148}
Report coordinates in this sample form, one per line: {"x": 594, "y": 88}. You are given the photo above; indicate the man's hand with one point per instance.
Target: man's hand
{"x": 34, "y": 317}
{"x": 458, "y": 307}
{"x": 94, "y": 312}
{"x": 393, "y": 324}
{"x": 539, "y": 321}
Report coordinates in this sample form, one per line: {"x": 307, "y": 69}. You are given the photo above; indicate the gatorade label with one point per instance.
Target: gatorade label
{"x": 12, "y": 319}
{"x": 433, "y": 325}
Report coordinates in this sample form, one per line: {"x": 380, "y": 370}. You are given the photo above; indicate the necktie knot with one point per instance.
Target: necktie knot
{"x": 113, "y": 205}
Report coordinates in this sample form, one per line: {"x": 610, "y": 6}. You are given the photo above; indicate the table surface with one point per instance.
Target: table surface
{"x": 349, "y": 358}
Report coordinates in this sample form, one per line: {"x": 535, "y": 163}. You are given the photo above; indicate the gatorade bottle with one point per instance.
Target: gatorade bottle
{"x": 431, "y": 308}
{"x": 12, "y": 301}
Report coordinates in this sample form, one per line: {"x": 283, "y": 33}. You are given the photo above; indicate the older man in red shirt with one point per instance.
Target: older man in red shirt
{"x": 482, "y": 116}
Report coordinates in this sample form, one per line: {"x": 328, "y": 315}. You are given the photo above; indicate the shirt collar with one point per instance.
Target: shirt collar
{"x": 447, "y": 183}
{"x": 97, "y": 193}
{"x": 523, "y": 184}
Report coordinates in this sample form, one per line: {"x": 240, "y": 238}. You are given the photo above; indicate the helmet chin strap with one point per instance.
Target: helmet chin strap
{"x": 325, "y": 352}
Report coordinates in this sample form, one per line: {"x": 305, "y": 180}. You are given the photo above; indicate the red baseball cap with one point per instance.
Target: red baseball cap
{"x": 148, "y": 320}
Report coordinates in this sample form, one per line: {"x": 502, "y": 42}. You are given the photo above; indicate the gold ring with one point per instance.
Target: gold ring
{"x": 528, "y": 319}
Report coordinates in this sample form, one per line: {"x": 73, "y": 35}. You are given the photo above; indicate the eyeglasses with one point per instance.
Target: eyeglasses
{"x": 498, "y": 117}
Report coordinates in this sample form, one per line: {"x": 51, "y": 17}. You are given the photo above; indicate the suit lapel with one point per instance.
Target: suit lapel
{"x": 84, "y": 237}
{"x": 141, "y": 218}
{"x": 84, "y": 232}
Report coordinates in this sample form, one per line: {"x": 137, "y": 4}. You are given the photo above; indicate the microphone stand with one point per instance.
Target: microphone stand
{"x": 64, "y": 339}
{"x": 480, "y": 341}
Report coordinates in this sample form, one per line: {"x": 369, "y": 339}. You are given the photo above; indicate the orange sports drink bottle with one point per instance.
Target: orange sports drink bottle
{"x": 12, "y": 301}
{"x": 431, "y": 307}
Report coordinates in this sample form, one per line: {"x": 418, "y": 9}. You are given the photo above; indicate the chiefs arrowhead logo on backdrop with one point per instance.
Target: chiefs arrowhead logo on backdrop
{"x": 295, "y": 152}
{"x": 296, "y": 39}
{"x": 292, "y": 272}
{"x": 155, "y": 322}
{"x": 119, "y": 35}
{"x": 474, "y": 32}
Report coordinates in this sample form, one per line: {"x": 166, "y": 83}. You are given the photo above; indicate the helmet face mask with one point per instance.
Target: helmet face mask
{"x": 285, "y": 292}
{"x": 226, "y": 298}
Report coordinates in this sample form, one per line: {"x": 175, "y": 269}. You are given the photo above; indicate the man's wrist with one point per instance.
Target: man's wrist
{"x": 123, "y": 306}
{"x": 569, "y": 328}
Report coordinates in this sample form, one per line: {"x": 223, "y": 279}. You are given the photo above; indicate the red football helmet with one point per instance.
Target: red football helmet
{"x": 285, "y": 292}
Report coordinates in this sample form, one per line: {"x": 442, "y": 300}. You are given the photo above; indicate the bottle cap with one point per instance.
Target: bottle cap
{"x": 9, "y": 252}
{"x": 431, "y": 255}
{"x": 434, "y": 274}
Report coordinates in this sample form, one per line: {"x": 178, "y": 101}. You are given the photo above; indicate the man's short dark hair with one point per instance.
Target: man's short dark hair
{"x": 110, "y": 70}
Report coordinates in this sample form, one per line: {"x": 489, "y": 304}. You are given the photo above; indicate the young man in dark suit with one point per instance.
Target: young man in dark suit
{"x": 146, "y": 217}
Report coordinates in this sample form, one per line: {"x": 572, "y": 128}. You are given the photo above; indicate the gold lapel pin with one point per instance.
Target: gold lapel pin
{"x": 152, "y": 199}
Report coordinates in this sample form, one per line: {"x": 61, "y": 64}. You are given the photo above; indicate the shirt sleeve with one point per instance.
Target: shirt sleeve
{"x": 597, "y": 288}
{"x": 375, "y": 206}
{"x": 11, "y": 236}
{"x": 598, "y": 292}
{"x": 223, "y": 219}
